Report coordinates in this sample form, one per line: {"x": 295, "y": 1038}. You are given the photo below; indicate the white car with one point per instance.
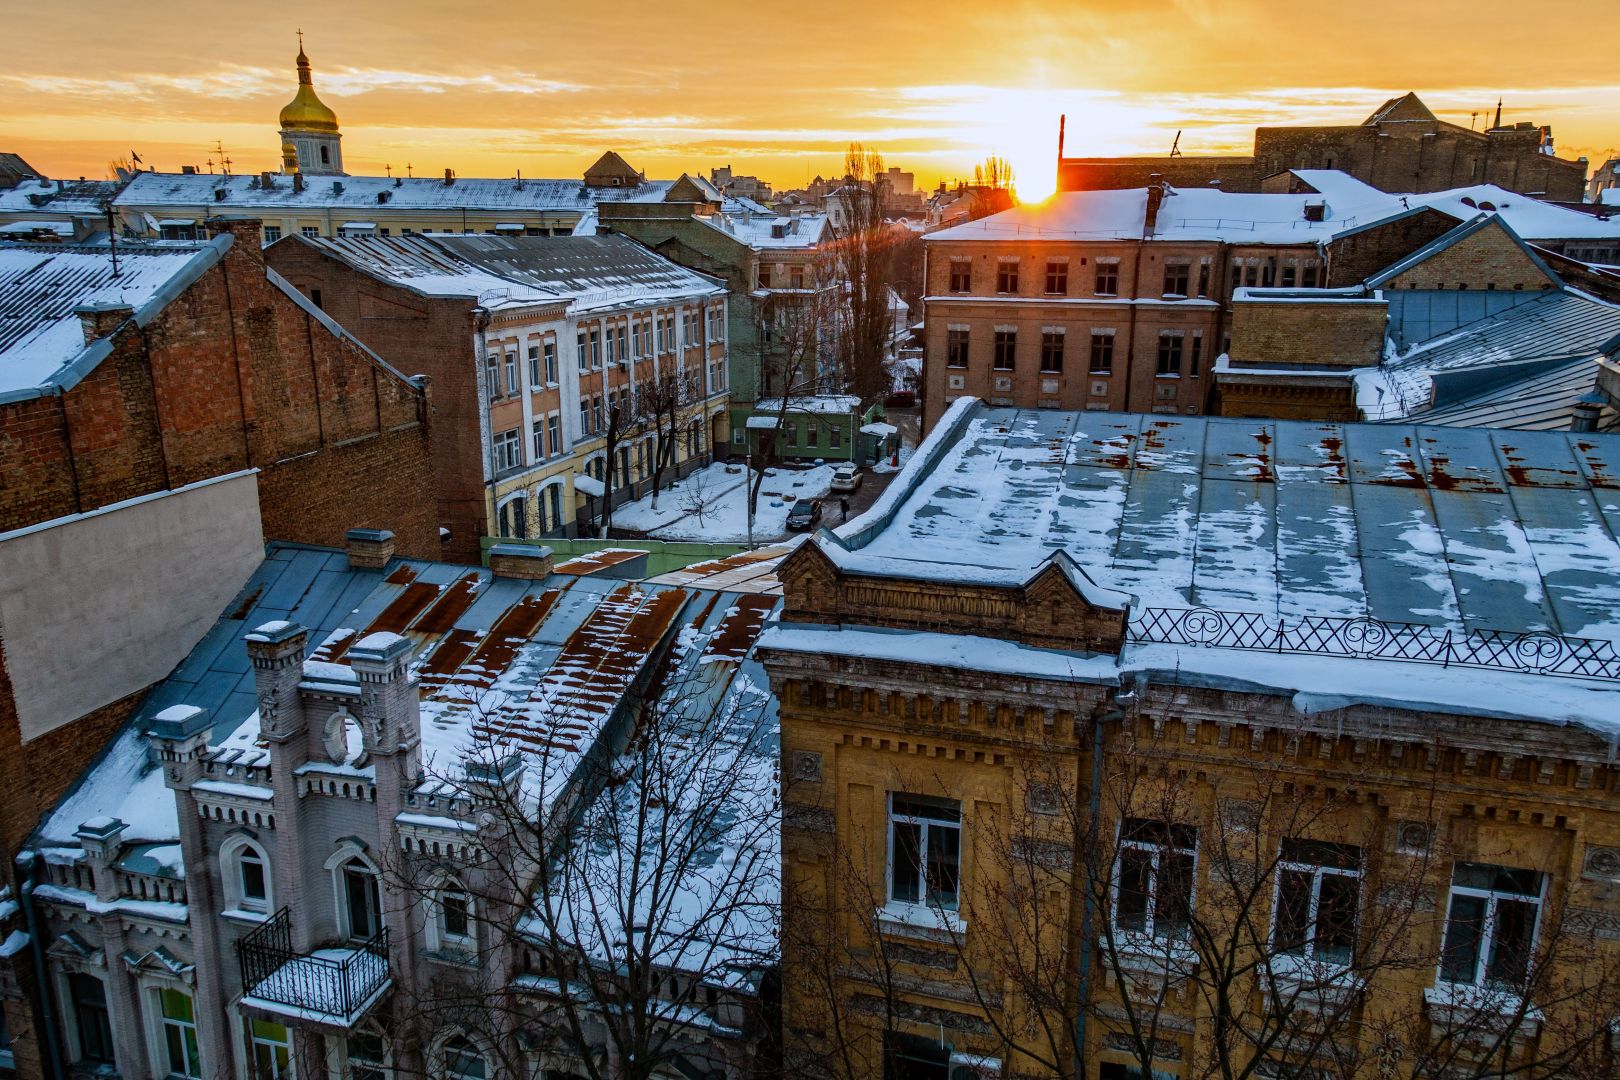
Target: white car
{"x": 846, "y": 478}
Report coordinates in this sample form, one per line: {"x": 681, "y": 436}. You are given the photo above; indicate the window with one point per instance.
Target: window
{"x": 1309, "y": 275}
{"x": 1290, "y": 270}
{"x": 1057, "y": 277}
{"x": 272, "y": 233}
{"x": 368, "y": 1056}
{"x": 623, "y": 335}
{"x": 87, "y": 997}
{"x": 1203, "y": 277}
{"x": 1051, "y": 351}
{"x": 511, "y": 373}
{"x": 1175, "y": 277}
{"x": 1491, "y": 925}
{"x": 455, "y": 915}
{"x": 1196, "y": 355}
{"x": 1154, "y": 887}
{"x": 1007, "y": 276}
{"x": 463, "y": 1060}
{"x": 792, "y": 427}
{"x": 961, "y": 275}
{"x": 612, "y": 351}
{"x": 360, "y": 900}
{"x": 508, "y": 450}
{"x": 582, "y": 352}
{"x": 796, "y": 277}
{"x": 812, "y": 434}
{"x": 535, "y": 379}
{"x": 835, "y": 438}
{"x": 1318, "y": 894}
{"x": 1102, "y": 353}
{"x": 596, "y": 348}
{"x": 492, "y": 376}
{"x": 1006, "y": 349}
{"x": 1170, "y": 352}
{"x": 956, "y": 348}
{"x": 538, "y": 439}
{"x": 596, "y": 413}
{"x": 764, "y": 276}
{"x": 554, "y": 433}
{"x": 514, "y": 518}
{"x": 584, "y": 417}
{"x": 310, "y": 230}
{"x": 247, "y": 885}
{"x": 180, "y": 1054}
{"x": 551, "y": 507}
{"x": 925, "y": 842}
{"x": 315, "y": 298}
{"x": 1107, "y": 283}
{"x": 269, "y": 1054}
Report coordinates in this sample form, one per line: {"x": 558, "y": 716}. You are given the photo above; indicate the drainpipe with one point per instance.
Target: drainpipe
{"x": 1086, "y": 918}
{"x": 486, "y": 412}
{"x": 47, "y": 1010}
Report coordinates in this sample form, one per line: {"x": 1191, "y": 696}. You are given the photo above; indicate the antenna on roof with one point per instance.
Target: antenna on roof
{"x": 1498, "y": 112}
{"x": 408, "y": 169}
{"x": 389, "y": 169}
{"x": 224, "y": 159}
{"x": 112, "y": 235}
{"x": 1175, "y": 147}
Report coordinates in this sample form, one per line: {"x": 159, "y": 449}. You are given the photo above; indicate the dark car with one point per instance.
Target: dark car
{"x": 901, "y": 399}
{"x": 804, "y": 515}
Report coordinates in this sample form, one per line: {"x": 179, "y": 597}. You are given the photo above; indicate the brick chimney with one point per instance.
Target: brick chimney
{"x": 248, "y": 231}
{"x": 526, "y": 562}
{"x": 101, "y": 318}
{"x": 1155, "y": 198}
{"x": 369, "y": 549}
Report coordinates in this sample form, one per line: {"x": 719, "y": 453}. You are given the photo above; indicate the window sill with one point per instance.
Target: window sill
{"x": 452, "y": 957}
{"x": 1168, "y": 375}
{"x": 1463, "y": 1005}
{"x": 1101, "y": 373}
{"x": 1140, "y": 953}
{"x": 242, "y": 915}
{"x": 920, "y": 921}
{"x": 1300, "y": 981}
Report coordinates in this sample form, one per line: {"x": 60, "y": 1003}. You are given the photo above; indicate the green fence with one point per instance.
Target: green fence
{"x": 662, "y": 555}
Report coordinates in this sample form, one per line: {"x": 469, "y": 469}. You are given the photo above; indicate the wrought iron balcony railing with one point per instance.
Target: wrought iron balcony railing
{"x": 335, "y": 985}
{"x": 1536, "y": 652}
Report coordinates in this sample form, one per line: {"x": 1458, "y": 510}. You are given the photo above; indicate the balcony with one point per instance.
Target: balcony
{"x": 331, "y": 988}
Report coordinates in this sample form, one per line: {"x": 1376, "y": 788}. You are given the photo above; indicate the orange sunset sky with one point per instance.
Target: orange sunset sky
{"x": 776, "y": 90}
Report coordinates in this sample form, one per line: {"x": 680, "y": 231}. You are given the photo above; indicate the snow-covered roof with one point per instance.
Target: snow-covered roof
{"x": 1210, "y": 214}
{"x": 349, "y": 193}
{"x": 1518, "y": 342}
{"x": 826, "y": 404}
{"x": 42, "y": 341}
{"x": 77, "y": 197}
{"x": 768, "y": 231}
{"x": 587, "y": 272}
{"x": 542, "y": 667}
{"x": 1455, "y": 531}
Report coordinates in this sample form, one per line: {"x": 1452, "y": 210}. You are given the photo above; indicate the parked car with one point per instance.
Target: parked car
{"x": 804, "y": 515}
{"x": 901, "y": 399}
{"x": 846, "y": 478}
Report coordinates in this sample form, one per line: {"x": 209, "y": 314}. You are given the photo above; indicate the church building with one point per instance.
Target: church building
{"x": 310, "y": 143}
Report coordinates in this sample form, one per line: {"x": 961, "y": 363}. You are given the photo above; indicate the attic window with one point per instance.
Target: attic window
{"x": 1315, "y": 211}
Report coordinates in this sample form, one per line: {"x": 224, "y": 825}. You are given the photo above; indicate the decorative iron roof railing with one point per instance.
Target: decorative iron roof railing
{"x": 1536, "y": 652}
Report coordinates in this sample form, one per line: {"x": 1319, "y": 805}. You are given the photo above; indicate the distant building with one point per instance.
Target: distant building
{"x": 310, "y": 142}
{"x": 14, "y": 170}
{"x": 41, "y": 210}
{"x": 1402, "y": 147}
{"x": 1605, "y": 178}
{"x": 739, "y": 187}
{"x": 531, "y": 346}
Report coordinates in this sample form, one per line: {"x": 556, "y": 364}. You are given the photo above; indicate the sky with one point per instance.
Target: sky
{"x": 497, "y": 88}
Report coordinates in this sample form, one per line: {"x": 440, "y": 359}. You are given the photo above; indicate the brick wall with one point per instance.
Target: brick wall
{"x": 1356, "y": 257}
{"x": 420, "y": 336}
{"x": 1486, "y": 259}
{"x": 1345, "y": 333}
{"x": 232, "y": 374}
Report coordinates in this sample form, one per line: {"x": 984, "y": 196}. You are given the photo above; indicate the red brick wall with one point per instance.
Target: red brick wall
{"x": 232, "y": 374}
{"x": 420, "y": 336}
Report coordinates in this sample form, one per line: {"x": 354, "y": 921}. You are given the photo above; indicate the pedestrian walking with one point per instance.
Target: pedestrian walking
{"x": 843, "y": 505}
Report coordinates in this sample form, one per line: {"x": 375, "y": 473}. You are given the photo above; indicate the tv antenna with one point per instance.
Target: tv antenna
{"x": 1175, "y": 147}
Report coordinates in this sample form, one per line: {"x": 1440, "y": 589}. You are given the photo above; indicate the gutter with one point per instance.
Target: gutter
{"x": 25, "y": 893}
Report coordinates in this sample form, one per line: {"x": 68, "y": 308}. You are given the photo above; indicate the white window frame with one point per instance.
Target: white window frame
{"x": 1488, "y": 933}
{"x": 158, "y": 1026}
{"x": 925, "y": 824}
{"x": 230, "y": 873}
{"x": 441, "y": 1064}
{"x": 336, "y": 866}
{"x": 1157, "y": 851}
{"x": 250, "y": 1040}
{"x": 1318, "y": 873}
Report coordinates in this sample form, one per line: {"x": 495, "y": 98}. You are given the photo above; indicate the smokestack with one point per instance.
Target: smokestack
{"x": 1498, "y": 113}
{"x": 1063, "y": 122}
{"x": 1155, "y": 197}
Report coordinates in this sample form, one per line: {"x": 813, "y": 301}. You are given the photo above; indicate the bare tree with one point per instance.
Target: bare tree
{"x": 660, "y": 397}
{"x": 865, "y": 258}
{"x": 626, "y": 902}
{"x": 696, "y": 497}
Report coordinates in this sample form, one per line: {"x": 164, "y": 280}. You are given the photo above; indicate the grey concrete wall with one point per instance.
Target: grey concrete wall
{"x": 97, "y": 606}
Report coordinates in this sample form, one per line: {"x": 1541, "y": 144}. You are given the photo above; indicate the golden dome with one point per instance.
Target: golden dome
{"x": 305, "y": 112}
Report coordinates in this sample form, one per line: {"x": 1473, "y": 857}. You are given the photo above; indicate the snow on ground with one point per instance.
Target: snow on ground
{"x": 723, "y": 491}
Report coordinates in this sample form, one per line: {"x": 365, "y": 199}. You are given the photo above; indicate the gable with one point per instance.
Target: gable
{"x": 1485, "y": 255}
{"x": 611, "y": 170}
{"x": 1406, "y": 107}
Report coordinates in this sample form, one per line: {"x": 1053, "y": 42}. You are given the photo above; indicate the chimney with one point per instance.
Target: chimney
{"x": 1063, "y": 122}
{"x": 1588, "y": 409}
{"x": 298, "y": 181}
{"x": 265, "y": 181}
{"x": 1155, "y": 197}
{"x": 525, "y": 562}
{"x": 101, "y": 318}
{"x": 369, "y": 549}
{"x": 101, "y": 837}
{"x": 449, "y": 177}
{"x": 249, "y": 232}
{"x": 276, "y": 651}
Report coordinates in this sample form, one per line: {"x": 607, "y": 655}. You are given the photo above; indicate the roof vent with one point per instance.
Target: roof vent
{"x": 1315, "y": 211}
{"x": 449, "y": 177}
{"x": 384, "y": 196}
{"x": 220, "y": 193}
{"x": 188, "y": 170}
{"x": 337, "y": 187}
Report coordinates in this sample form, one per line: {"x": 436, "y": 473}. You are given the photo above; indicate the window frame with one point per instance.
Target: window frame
{"x": 958, "y": 344}
{"x": 1097, "y": 342}
{"x": 1163, "y": 367}
{"x": 190, "y": 1048}
{"x": 1005, "y": 346}
{"x": 230, "y": 872}
{"x": 963, "y": 282}
{"x": 1486, "y": 945}
{"x": 1158, "y": 851}
{"x": 1007, "y": 277}
{"x": 925, "y": 824}
{"x": 1318, "y": 872}
{"x": 1049, "y": 342}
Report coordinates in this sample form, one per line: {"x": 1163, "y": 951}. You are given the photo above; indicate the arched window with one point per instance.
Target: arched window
{"x": 359, "y": 900}
{"x": 326, "y": 155}
{"x": 463, "y": 1060}
{"x": 451, "y": 928}
{"x": 245, "y": 872}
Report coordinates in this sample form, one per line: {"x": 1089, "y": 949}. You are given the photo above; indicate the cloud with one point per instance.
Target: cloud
{"x": 247, "y": 83}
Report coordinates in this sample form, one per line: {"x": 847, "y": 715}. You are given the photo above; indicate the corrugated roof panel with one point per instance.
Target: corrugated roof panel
{"x": 1577, "y": 555}
{"x": 1493, "y": 571}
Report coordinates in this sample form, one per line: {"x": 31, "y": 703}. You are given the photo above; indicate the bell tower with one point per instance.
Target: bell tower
{"x": 310, "y": 128}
